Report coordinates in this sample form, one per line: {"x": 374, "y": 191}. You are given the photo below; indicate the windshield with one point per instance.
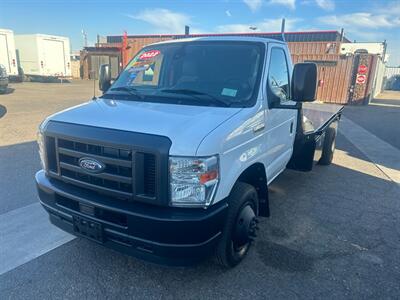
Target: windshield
{"x": 217, "y": 73}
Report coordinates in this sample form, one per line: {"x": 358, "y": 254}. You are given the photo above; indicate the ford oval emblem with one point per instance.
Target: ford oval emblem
{"x": 91, "y": 165}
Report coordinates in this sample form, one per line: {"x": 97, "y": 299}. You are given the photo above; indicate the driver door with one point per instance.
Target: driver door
{"x": 279, "y": 122}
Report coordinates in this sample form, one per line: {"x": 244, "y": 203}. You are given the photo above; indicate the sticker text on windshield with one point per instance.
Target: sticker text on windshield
{"x": 149, "y": 54}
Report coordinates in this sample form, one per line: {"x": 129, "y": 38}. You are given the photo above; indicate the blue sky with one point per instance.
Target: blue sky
{"x": 363, "y": 20}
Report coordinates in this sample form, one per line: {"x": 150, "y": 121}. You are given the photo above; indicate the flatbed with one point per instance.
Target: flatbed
{"x": 319, "y": 115}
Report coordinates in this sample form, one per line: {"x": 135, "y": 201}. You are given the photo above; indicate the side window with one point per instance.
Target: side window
{"x": 278, "y": 77}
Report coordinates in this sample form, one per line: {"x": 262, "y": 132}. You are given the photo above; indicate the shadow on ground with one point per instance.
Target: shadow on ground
{"x": 49, "y": 79}
{"x": 3, "y": 111}
{"x": 7, "y": 91}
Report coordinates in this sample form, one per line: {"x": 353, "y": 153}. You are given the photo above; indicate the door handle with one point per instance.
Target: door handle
{"x": 258, "y": 128}
{"x": 291, "y": 127}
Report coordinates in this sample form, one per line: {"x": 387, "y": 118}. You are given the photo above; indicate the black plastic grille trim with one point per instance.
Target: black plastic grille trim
{"x": 51, "y": 153}
{"x": 111, "y": 181}
{"x": 149, "y": 176}
{"x": 137, "y": 171}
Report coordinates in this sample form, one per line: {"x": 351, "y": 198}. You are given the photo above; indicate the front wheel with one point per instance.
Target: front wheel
{"x": 240, "y": 226}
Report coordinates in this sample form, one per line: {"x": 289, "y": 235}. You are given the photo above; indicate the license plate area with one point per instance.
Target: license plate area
{"x": 89, "y": 229}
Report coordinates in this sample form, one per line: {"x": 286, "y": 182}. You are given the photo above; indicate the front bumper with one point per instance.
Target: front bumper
{"x": 176, "y": 236}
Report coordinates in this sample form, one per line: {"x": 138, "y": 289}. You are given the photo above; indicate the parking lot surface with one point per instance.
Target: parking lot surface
{"x": 381, "y": 117}
{"x": 333, "y": 232}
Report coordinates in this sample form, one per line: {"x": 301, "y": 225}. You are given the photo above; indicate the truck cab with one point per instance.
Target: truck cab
{"x": 174, "y": 160}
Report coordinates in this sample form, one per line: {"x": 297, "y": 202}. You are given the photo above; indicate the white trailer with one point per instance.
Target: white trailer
{"x": 7, "y": 52}
{"x": 44, "y": 55}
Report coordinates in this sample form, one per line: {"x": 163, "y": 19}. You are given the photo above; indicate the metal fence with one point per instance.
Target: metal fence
{"x": 391, "y": 71}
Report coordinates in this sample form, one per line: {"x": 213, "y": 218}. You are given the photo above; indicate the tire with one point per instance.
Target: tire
{"x": 243, "y": 202}
{"x": 329, "y": 147}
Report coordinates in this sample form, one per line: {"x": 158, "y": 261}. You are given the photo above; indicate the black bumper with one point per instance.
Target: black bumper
{"x": 167, "y": 235}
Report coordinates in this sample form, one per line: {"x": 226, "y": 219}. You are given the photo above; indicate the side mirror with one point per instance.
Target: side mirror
{"x": 104, "y": 78}
{"x": 304, "y": 82}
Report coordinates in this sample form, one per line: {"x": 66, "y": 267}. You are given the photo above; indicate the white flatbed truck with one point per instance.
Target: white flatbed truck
{"x": 174, "y": 160}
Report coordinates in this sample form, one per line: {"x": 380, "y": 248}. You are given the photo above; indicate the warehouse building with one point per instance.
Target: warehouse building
{"x": 347, "y": 75}
{"x": 92, "y": 57}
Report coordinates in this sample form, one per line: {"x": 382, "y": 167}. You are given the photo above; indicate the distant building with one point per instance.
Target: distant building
{"x": 370, "y": 48}
{"x": 338, "y": 60}
{"x": 92, "y": 57}
{"x": 75, "y": 55}
{"x": 75, "y": 64}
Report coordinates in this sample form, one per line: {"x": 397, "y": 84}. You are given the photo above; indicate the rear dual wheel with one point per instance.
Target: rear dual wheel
{"x": 328, "y": 148}
{"x": 240, "y": 226}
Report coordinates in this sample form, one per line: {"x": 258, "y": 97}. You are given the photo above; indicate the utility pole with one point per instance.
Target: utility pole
{"x": 384, "y": 51}
{"x": 283, "y": 30}
{"x": 84, "y": 37}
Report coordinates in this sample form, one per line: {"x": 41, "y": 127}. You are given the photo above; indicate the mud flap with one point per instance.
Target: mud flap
{"x": 304, "y": 149}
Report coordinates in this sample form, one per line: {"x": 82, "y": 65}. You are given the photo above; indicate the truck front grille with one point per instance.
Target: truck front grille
{"x": 127, "y": 173}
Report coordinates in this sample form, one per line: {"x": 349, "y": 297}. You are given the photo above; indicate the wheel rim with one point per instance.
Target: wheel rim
{"x": 245, "y": 230}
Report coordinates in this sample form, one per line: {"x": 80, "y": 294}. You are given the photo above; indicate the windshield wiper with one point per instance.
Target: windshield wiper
{"x": 130, "y": 90}
{"x": 194, "y": 93}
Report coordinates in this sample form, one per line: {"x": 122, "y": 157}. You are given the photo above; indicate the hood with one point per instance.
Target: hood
{"x": 185, "y": 125}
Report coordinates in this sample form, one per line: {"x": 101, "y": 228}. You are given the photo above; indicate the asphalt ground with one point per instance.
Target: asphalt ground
{"x": 381, "y": 117}
{"x": 334, "y": 232}
{"x": 24, "y": 108}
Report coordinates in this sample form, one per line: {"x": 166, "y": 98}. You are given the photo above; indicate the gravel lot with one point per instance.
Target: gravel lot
{"x": 334, "y": 232}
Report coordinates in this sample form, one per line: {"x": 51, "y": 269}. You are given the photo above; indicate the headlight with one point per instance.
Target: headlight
{"x": 42, "y": 149}
{"x": 193, "y": 180}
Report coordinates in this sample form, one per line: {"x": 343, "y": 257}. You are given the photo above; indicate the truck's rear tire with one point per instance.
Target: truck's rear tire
{"x": 329, "y": 147}
{"x": 240, "y": 225}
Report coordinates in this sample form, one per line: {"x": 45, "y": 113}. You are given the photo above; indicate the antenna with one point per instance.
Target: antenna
{"x": 94, "y": 88}
{"x": 94, "y": 71}
{"x": 283, "y": 29}
{"x": 98, "y": 63}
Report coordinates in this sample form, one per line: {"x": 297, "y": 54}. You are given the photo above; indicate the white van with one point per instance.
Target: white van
{"x": 8, "y": 56}
{"x": 44, "y": 55}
